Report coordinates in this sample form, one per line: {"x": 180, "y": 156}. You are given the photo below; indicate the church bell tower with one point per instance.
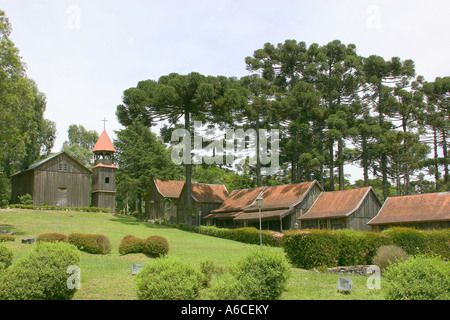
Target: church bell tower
{"x": 104, "y": 174}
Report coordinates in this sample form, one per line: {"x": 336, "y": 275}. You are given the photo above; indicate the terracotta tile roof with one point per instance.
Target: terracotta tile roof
{"x": 239, "y": 200}
{"x": 336, "y": 203}
{"x": 282, "y": 197}
{"x": 265, "y": 215}
{"x": 278, "y": 201}
{"x": 169, "y": 188}
{"x": 112, "y": 166}
{"x": 223, "y": 215}
{"x": 209, "y": 193}
{"x": 104, "y": 143}
{"x": 415, "y": 208}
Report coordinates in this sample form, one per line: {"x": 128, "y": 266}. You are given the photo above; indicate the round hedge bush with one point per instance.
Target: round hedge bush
{"x": 91, "y": 243}
{"x": 168, "y": 278}
{"x": 41, "y": 275}
{"x": 51, "y": 237}
{"x": 155, "y": 246}
{"x": 418, "y": 278}
{"x": 387, "y": 255}
{"x": 131, "y": 244}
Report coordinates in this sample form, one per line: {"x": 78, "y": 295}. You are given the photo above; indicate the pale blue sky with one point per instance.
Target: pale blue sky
{"x": 84, "y": 54}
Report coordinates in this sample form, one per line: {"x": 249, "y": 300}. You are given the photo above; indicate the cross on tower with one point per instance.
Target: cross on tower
{"x": 104, "y": 123}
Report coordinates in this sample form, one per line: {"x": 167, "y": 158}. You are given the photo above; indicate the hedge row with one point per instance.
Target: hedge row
{"x": 84, "y": 209}
{"x": 153, "y": 246}
{"x": 329, "y": 248}
{"x": 246, "y": 235}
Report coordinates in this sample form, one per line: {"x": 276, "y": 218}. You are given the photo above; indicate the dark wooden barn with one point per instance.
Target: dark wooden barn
{"x": 161, "y": 199}
{"x": 59, "y": 179}
{"x": 342, "y": 209}
{"x": 421, "y": 211}
{"x": 205, "y": 197}
{"x": 282, "y": 205}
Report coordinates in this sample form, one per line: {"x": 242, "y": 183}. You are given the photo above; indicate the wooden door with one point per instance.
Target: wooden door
{"x": 62, "y": 197}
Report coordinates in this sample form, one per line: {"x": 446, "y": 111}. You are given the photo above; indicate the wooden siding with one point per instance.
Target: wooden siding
{"x": 158, "y": 207}
{"x": 356, "y": 221}
{"x": 49, "y": 179}
{"x": 368, "y": 209}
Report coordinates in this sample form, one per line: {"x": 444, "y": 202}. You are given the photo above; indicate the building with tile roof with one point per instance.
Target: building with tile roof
{"x": 342, "y": 209}
{"x": 160, "y": 201}
{"x": 281, "y": 207}
{"x": 232, "y": 206}
{"x": 205, "y": 197}
{"x": 422, "y": 211}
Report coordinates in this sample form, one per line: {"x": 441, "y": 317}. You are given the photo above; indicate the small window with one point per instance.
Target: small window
{"x": 60, "y": 166}
{"x": 65, "y": 167}
{"x": 107, "y": 180}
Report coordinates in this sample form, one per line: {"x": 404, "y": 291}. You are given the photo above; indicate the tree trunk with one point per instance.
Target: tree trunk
{"x": 258, "y": 161}
{"x": 445, "y": 151}
{"x": 188, "y": 168}
{"x": 365, "y": 165}
{"x": 341, "y": 164}
{"x": 331, "y": 165}
{"x": 436, "y": 159}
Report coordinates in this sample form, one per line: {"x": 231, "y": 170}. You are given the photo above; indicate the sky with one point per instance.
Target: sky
{"x": 84, "y": 54}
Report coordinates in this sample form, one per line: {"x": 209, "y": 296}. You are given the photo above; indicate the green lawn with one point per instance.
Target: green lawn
{"x": 109, "y": 276}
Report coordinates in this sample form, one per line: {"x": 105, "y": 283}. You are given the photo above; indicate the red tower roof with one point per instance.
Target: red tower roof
{"x": 104, "y": 143}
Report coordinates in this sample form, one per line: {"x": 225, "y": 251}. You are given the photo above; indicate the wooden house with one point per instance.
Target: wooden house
{"x": 161, "y": 199}
{"x": 281, "y": 207}
{"x": 58, "y": 179}
{"x": 342, "y": 209}
{"x": 422, "y": 211}
{"x": 233, "y": 205}
{"x": 205, "y": 197}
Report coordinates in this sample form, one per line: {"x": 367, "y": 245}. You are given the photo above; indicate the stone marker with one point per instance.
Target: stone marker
{"x": 345, "y": 284}
{"x": 28, "y": 240}
{"x": 136, "y": 268}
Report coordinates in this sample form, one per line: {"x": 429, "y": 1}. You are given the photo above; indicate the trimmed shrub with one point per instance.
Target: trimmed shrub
{"x": 131, "y": 244}
{"x": 6, "y": 257}
{"x": 259, "y": 275}
{"x": 168, "y": 278}
{"x": 418, "y": 278}
{"x": 387, "y": 255}
{"x": 352, "y": 245}
{"x": 438, "y": 243}
{"x": 263, "y": 274}
{"x": 373, "y": 241}
{"x": 6, "y": 237}
{"x": 41, "y": 275}
{"x": 155, "y": 246}
{"x": 311, "y": 248}
{"x": 91, "y": 243}
{"x": 412, "y": 240}
{"x": 51, "y": 237}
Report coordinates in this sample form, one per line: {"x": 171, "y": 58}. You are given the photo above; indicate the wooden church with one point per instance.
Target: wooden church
{"x": 62, "y": 180}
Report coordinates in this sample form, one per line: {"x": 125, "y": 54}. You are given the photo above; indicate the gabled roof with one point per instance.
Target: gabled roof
{"x": 209, "y": 193}
{"x": 335, "y": 204}
{"x": 283, "y": 196}
{"x": 169, "y": 188}
{"x": 278, "y": 201}
{"x": 43, "y": 161}
{"x": 414, "y": 208}
{"x": 104, "y": 143}
{"x": 235, "y": 203}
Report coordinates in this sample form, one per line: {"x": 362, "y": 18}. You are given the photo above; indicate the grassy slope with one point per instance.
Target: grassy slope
{"x": 109, "y": 276}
